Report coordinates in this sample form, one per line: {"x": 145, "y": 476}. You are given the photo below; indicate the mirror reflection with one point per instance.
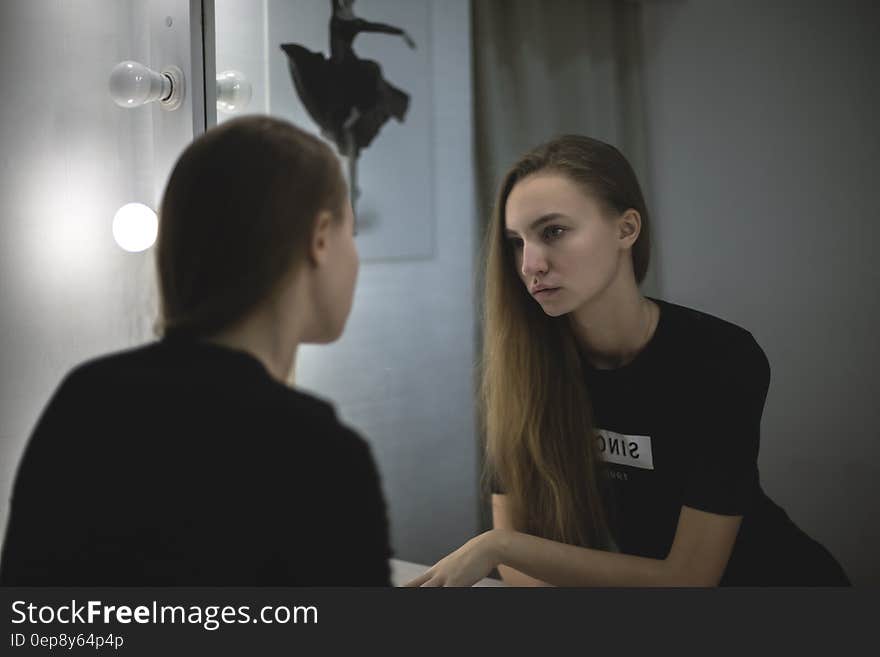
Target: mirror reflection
{"x": 604, "y": 286}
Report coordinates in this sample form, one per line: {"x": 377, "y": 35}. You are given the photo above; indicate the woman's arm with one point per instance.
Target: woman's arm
{"x": 501, "y": 520}
{"x": 698, "y": 556}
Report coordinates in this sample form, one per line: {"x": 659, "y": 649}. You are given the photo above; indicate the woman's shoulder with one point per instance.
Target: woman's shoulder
{"x": 329, "y": 437}
{"x": 106, "y": 369}
{"x": 709, "y": 338}
{"x": 216, "y": 388}
{"x": 232, "y": 382}
{"x": 309, "y": 408}
{"x": 700, "y": 325}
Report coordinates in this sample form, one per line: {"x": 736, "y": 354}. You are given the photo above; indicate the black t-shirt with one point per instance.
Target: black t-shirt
{"x": 186, "y": 463}
{"x": 680, "y": 426}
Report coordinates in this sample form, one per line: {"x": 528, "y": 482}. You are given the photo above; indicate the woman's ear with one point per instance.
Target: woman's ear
{"x": 320, "y": 242}
{"x": 630, "y": 225}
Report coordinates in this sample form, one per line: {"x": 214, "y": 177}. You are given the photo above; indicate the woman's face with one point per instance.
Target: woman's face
{"x": 567, "y": 250}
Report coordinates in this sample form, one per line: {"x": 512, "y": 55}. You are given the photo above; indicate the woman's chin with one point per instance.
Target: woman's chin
{"x": 555, "y": 309}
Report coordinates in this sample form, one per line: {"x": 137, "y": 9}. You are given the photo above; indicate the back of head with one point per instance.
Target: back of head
{"x": 236, "y": 219}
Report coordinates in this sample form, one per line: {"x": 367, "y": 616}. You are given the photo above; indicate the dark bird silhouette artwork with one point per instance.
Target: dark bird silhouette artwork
{"x": 347, "y": 96}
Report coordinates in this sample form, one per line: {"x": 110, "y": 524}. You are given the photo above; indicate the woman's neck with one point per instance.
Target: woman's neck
{"x": 613, "y": 329}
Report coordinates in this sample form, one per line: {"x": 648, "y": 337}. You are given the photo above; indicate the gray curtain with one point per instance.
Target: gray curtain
{"x": 548, "y": 67}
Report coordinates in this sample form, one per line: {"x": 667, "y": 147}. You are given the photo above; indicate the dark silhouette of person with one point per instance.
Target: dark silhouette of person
{"x": 345, "y": 95}
{"x": 194, "y": 460}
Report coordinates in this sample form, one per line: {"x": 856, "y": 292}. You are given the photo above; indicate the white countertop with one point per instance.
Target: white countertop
{"x": 405, "y": 571}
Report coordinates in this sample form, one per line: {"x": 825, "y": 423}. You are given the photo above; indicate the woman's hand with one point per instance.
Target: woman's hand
{"x": 466, "y": 566}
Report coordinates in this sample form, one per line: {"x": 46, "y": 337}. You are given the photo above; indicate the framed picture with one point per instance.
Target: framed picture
{"x": 343, "y": 69}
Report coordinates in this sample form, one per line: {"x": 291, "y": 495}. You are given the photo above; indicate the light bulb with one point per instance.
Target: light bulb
{"x": 132, "y": 84}
{"x": 135, "y": 227}
{"x": 233, "y": 92}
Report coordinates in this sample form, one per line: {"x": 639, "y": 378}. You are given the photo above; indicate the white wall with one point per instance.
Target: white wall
{"x": 70, "y": 159}
{"x": 765, "y": 159}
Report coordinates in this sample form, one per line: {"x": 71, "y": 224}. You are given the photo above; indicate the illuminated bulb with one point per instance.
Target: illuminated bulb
{"x": 135, "y": 227}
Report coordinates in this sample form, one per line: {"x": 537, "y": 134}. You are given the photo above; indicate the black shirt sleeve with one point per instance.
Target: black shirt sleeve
{"x": 723, "y": 470}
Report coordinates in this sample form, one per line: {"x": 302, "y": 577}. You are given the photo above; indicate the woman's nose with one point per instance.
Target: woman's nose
{"x": 533, "y": 261}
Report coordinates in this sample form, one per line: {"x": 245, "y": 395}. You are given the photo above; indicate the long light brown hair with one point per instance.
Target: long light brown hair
{"x": 537, "y": 415}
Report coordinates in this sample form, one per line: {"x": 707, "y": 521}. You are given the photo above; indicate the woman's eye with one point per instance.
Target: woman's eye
{"x": 516, "y": 242}
{"x": 553, "y": 232}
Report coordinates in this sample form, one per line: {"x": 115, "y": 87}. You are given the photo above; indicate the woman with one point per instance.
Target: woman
{"x": 189, "y": 461}
{"x": 622, "y": 431}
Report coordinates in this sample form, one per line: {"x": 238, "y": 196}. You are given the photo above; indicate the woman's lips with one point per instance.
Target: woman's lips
{"x": 546, "y": 293}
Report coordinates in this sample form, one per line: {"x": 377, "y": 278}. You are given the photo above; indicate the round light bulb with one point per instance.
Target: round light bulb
{"x": 234, "y": 92}
{"x": 133, "y": 84}
{"x": 135, "y": 227}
